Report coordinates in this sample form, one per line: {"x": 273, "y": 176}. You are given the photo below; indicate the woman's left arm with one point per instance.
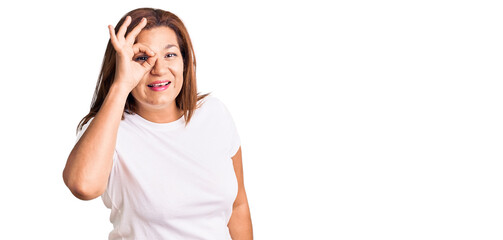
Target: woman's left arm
{"x": 240, "y": 226}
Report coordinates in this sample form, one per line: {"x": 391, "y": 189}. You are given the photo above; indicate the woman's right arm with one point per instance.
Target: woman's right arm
{"x": 90, "y": 162}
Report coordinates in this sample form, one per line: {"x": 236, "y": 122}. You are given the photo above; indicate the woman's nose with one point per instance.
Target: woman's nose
{"x": 159, "y": 68}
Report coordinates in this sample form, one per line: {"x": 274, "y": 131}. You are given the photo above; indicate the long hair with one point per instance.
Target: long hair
{"x": 188, "y": 96}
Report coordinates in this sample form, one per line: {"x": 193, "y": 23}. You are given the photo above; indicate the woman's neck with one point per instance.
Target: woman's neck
{"x": 160, "y": 115}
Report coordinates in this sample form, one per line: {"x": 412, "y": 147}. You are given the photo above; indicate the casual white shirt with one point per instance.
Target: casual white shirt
{"x": 173, "y": 182}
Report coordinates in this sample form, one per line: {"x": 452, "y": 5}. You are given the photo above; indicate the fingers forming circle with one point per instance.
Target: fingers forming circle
{"x": 138, "y": 47}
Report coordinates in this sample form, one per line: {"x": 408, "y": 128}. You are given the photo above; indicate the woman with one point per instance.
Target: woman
{"x": 165, "y": 160}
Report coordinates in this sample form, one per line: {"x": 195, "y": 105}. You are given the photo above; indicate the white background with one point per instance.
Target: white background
{"x": 358, "y": 119}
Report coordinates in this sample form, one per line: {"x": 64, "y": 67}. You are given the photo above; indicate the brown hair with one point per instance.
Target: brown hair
{"x": 188, "y": 96}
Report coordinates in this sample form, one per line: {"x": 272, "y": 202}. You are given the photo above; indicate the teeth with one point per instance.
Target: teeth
{"x": 158, "y": 84}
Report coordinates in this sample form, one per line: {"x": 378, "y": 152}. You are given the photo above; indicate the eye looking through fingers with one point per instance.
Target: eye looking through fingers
{"x": 141, "y": 58}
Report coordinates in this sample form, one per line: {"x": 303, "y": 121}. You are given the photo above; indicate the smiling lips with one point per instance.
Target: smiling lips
{"x": 159, "y": 85}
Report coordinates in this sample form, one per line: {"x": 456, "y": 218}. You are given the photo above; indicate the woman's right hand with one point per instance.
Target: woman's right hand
{"x": 128, "y": 72}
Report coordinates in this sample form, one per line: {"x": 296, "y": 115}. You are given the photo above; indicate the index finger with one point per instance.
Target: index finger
{"x": 142, "y": 48}
{"x": 136, "y": 30}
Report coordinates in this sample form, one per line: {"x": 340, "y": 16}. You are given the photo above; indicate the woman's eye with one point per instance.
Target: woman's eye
{"x": 141, "y": 58}
{"x": 171, "y": 55}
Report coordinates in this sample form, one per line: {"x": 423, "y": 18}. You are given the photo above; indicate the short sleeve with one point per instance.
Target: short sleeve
{"x": 234, "y": 138}
{"x": 84, "y": 128}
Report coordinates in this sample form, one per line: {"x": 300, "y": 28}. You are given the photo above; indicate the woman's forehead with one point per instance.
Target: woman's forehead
{"x": 158, "y": 37}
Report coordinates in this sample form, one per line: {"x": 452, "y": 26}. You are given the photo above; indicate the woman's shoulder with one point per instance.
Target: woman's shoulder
{"x": 211, "y": 101}
{"x": 214, "y": 106}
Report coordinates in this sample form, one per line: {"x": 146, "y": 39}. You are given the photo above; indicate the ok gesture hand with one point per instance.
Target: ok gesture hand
{"x": 128, "y": 72}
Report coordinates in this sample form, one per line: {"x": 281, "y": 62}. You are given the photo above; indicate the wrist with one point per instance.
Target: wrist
{"x": 119, "y": 90}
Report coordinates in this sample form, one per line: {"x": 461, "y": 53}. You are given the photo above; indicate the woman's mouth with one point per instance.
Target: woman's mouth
{"x": 159, "y": 86}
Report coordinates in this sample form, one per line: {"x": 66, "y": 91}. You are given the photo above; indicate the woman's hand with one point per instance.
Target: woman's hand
{"x": 128, "y": 72}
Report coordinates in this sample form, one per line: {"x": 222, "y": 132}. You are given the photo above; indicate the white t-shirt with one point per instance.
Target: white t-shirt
{"x": 172, "y": 182}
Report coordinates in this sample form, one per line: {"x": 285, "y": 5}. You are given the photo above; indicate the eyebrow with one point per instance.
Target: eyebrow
{"x": 170, "y": 46}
